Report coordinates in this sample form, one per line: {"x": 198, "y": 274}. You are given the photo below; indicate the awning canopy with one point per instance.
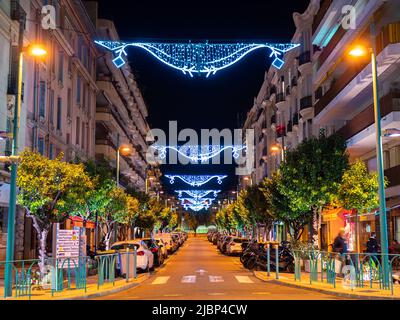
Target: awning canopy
{"x": 4, "y": 194}
{"x": 333, "y": 214}
{"x": 78, "y": 222}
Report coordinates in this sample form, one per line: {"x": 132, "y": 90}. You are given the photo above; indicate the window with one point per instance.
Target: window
{"x": 59, "y": 113}
{"x": 42, "y": 99}
{"x": 78, "y": 89}
{"x": 41, "y": 146}
{"x": 77, "y": 128}
{"x": 83, "y": 135}
{"x": 87, "y": 136}
{"x": 51, "y": 151}
{"x": 51, "y": 114}
{"x": 69, "y": 103}
{"x": 61, "y": 67}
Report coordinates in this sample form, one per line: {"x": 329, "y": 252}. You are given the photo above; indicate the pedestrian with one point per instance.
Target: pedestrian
{"x": 394, "y": 247}
{"x": 372, "y": 244}
{"x": 340, "y": 243}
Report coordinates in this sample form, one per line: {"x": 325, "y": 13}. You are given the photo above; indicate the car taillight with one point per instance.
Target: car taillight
{"x": 154, "y": 250}
{"x": 232, "y": 244}
{"x": 140, "y": 253}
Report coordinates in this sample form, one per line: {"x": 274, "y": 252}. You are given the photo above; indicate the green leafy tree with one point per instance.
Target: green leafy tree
{"x": 115, "y": 211}
{"x": 312, "y": 174}
{"x": 46, "y": 189}
{"x": 295, "y": 214}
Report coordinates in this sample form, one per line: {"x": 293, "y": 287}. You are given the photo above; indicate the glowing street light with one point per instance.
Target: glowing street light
{"x": 125, "y": 150}
{"x": 37, "y": 50}
{"x": 357, "y": 52}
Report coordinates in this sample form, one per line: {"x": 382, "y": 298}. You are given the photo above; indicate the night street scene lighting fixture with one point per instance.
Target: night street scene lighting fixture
{"x": 198, "y": 58}
{"x": 195, "y": 180}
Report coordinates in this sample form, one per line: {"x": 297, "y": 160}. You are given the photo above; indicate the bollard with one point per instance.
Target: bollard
{"x": 135, "y": 262}
{"x": 277, "y": 262}
{"x": 268, "y": 261}
{"x": 127, "y": 265}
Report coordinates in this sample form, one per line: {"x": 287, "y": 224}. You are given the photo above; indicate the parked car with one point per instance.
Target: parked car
{"x": 155, "y": 249}
{"x": 234, "y": 247}
{"x": 214, "y": 238}
{"x": 162, "y": 245}
{"x": 177, "y": 237}
{"x": 145, "y": 258}
{"x": 220, "y": 241}
{"x": 171, "y": 245}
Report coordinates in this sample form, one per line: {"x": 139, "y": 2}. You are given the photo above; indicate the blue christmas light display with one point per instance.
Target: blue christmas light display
{"x": 200, "y": 153}
{"x": 195, "y": 181}
{"x": 198, "y": 58}
{"x": 197, "y": 194}
{"x": 196, "y": 204}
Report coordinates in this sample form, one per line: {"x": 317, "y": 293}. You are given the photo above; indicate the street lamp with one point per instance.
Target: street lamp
{"x": 125, "y": 150}
{"x": 357, "y": 52}
{"x": 36, "y": 51}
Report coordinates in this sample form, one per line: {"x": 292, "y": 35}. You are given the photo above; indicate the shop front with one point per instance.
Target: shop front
{"x": 332, "y": 221}
{"x": 4, "y": 200}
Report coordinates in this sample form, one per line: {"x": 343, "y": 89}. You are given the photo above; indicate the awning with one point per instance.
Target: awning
{"x": 333, "y": 214}
{"x": 78, "y": 222}
{"x": 4, "y": 194}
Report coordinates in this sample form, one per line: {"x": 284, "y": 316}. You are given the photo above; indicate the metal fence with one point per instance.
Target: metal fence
{"x": 69, "y": 273}
{"x": 353, "y": 270}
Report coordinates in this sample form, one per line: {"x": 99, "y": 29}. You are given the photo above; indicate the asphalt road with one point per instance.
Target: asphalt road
{"x": 198, "y": 271}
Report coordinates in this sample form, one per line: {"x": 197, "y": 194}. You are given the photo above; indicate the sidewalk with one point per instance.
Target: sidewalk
{"x": 365, "y": 293}
{"x": 79, "y": 294}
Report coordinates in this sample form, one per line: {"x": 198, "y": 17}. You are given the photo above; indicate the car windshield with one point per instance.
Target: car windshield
{"x": 118, "y": 246}
{"x": 149, "y": 243}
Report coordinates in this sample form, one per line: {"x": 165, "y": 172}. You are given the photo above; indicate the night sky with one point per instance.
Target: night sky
{"x": 220, "y": 101}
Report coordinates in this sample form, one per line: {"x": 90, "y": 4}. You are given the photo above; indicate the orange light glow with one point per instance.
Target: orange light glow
{"x": 125, "y": 150}
{"x": 275, "y": 148}
{"x": 37, "y": 50}
{"x": 358, "y": 51}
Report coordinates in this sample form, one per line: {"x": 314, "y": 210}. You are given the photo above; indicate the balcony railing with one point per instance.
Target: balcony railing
{"x": 366, "y": 117}
{"x": 296, "y": 119}
{"x": 280, "y": 97}
{"x": 306, "y": 102}
{"x": 321, "y": 14}
{"x": 304, "y": 58}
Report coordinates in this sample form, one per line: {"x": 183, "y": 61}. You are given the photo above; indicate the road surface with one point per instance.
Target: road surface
{"x": 198, "y": 271}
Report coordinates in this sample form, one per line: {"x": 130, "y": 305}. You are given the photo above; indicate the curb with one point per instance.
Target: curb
{"x": 334, "y": 293}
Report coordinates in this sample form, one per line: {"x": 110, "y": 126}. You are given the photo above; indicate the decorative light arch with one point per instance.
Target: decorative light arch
{"x": 197, "y": 194}
{"x": 196, "y": 181}
{"x": 200, "y": 153}
{"x": 198, "y": 58}
{"x": 196, "y": 204}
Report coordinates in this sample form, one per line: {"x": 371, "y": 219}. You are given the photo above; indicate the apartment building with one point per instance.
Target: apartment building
{"x": 342, "y": 87}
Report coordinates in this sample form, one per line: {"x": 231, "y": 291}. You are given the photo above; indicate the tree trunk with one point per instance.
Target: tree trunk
{"x": 42, "y": 233}
{"x": 315, "y": 227}
{"x": 108, "y": 234}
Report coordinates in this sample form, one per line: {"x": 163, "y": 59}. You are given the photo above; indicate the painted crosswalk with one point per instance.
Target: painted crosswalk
{"x": 194, "y": 279}
{"x": 160, "y": 280}
{"x": 243, "y": 279}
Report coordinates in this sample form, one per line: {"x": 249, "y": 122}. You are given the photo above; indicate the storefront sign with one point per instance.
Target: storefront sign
{"x": 67, "y": 247}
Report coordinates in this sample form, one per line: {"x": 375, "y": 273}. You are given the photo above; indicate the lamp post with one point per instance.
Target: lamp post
{"x": 35, "y": 51}
{"x": 359, "y": 51}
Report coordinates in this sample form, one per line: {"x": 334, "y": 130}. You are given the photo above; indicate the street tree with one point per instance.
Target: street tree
{"x": 46, "y": 189}
{"x": 312, "y": 173}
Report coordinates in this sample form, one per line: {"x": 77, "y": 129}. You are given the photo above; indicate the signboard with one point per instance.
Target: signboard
{"x": 67, "y": 246}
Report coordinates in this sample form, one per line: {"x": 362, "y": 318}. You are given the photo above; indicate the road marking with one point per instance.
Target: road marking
{"x": 217, "y": 294}
{"x": 160, "y": 280}
{"x": 215, "y": 279}
{"x": 188, "y": 279}
{"x": 243, "y": 279}
{"x": 201, "y": 271}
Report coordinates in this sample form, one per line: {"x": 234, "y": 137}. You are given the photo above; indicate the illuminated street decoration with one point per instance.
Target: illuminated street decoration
{"x": 200, "y": 153}
{"x": 197, "y": 194}
{"x": 198, "y": 58}
{"x": 196, "y": 204}
{"x": 196, "y": 181}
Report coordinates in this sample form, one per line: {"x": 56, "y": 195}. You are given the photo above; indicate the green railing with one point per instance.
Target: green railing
{"x": 355, "y": 270}
{"x": 69, "y": 273}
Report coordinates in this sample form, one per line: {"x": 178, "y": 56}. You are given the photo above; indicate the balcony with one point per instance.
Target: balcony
{"x": 325, "y": 4}
{"x": 305, "y": 103}
{"x": 304, "y": 58}
{"x": 296, "y": 119}
{"x": 280, "y": 97}
{"x": 393, "y": 175}
{"x": 389, "y": 103}
{"x": 318, "y": 93}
